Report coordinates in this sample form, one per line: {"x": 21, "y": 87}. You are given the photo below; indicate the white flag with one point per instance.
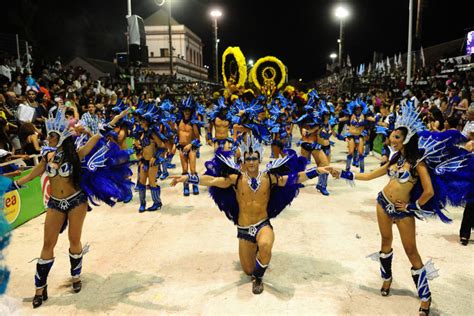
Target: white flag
{"x": 395, "y": 60}
{"x": 348, "y": 61}
{"x": 422, "y": 56}
{"x": 388, "y": 64}
{"x": 370, "y": 68}
{"x": 400, "y": 60}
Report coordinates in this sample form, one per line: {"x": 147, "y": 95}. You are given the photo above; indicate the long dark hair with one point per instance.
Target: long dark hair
{"x": 26, "y": 130}
{"x": 412, "y": 152}
{"x": 437, "y": 116}
{"x": 5, "y": 139}
{"x": 71, "y": 156}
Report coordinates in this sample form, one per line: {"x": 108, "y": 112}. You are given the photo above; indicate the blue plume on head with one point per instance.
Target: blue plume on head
{"x": 188, "y": 103}
{"x": 313, "y": 94}
{"x": 142, "y": 108}
{"x": 119, "y": 106}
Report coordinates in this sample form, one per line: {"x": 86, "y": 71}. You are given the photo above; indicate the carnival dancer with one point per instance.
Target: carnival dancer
{"x": 121, "y": 126}
{"x": 136, "y": 133}
{"x": 327, "y": 120}
{"x": 355, "y": 136}
{"x": 220, "y": 121}
{"x": 188, "y": 141}
{"x": 150, "y": 144}
{"x": 168, "y": 131}
{"x": 97, "y": 170}
{"x": 308, "y": 123}
{"x": 278, "y": 129}
{"x": 427, "y": 171}
{"x": 385, "y": 124}
{"x": 287, "y": 101}
{"x": 252, "y": 197}
{"x": 246, "y": 120}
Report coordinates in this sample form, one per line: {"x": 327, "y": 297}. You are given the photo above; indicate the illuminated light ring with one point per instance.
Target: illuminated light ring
{"x": 258, "y": 74}
{"x": 234, "y": 66}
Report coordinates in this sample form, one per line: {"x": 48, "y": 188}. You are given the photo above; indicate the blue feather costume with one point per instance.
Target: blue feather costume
{"x": 105, "y": 174}
{"x": 451, "y": 170}
{"x": 280, "y": 197}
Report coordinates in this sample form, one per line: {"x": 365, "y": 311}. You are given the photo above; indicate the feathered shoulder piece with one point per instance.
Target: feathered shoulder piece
{"x": 282, "y": 196}
{"x": 105, "y": 174}
{"x": 222, "y": 165}
{"x": 451, "y": 170}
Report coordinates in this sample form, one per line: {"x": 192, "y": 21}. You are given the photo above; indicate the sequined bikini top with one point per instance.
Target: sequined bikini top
{"x": 325, "y": 132}
{"x": 399, "y": 173}
{"x": 64, "y": 169}
{"x": 356, "y": 122}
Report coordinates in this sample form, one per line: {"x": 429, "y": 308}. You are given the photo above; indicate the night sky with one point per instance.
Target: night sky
{"x": 301, "y": 33}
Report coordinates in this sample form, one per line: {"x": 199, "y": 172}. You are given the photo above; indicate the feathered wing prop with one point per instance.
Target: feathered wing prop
{"x": 105, "y": 174}
{"x": 222, "y": 165}
{"x": 281, "y": 197}
{"x": 451, "y": 170}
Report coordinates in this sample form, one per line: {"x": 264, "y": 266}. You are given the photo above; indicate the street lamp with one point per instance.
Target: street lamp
{"x": 215, "y": 14}
{"x": 170, "y": 39}
{"x": 333, "y": 57}
{"x": 341, "y": 13}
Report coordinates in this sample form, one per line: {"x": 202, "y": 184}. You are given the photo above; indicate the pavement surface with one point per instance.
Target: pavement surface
{"x": 183, "y": 259}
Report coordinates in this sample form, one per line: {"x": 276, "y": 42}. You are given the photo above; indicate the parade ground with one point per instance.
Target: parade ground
{"x": 184, "y": 258}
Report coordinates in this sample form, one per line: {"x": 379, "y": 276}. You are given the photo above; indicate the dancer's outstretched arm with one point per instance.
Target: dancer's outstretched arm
{"x": 303, "y": 175}
{"x": 119, "y": 117}
{"x": 205, "y": 180}
{"x": 35, "y": 172}
{"x": 86, "y": 149}
{"x": 377, "y": 173}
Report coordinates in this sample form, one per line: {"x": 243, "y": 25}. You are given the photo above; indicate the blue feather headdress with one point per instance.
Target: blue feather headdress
{"x": 251, "y": 145}
{"x": 58, "y": 125}
{"x": 188, "y": 104}
{"x": 152, "y": 114}
{"x": 358, "y": 103}
{"x": 410, "y": 119}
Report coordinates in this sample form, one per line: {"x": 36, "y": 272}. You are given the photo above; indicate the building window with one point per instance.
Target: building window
{"x": 152, "y": 54}
{"x": 164, "y": 52}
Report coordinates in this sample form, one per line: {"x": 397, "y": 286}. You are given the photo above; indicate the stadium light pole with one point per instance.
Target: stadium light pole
{"x": 410, "y": 32}
{"x": 341, "y": 13}
{"x": 129, "y": 13}
{"x": 215, "y": 14}
{"x": 333, "y": 57}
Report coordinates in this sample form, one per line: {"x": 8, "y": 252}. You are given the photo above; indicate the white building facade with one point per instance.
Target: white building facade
{"x": 187, "y": 48}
